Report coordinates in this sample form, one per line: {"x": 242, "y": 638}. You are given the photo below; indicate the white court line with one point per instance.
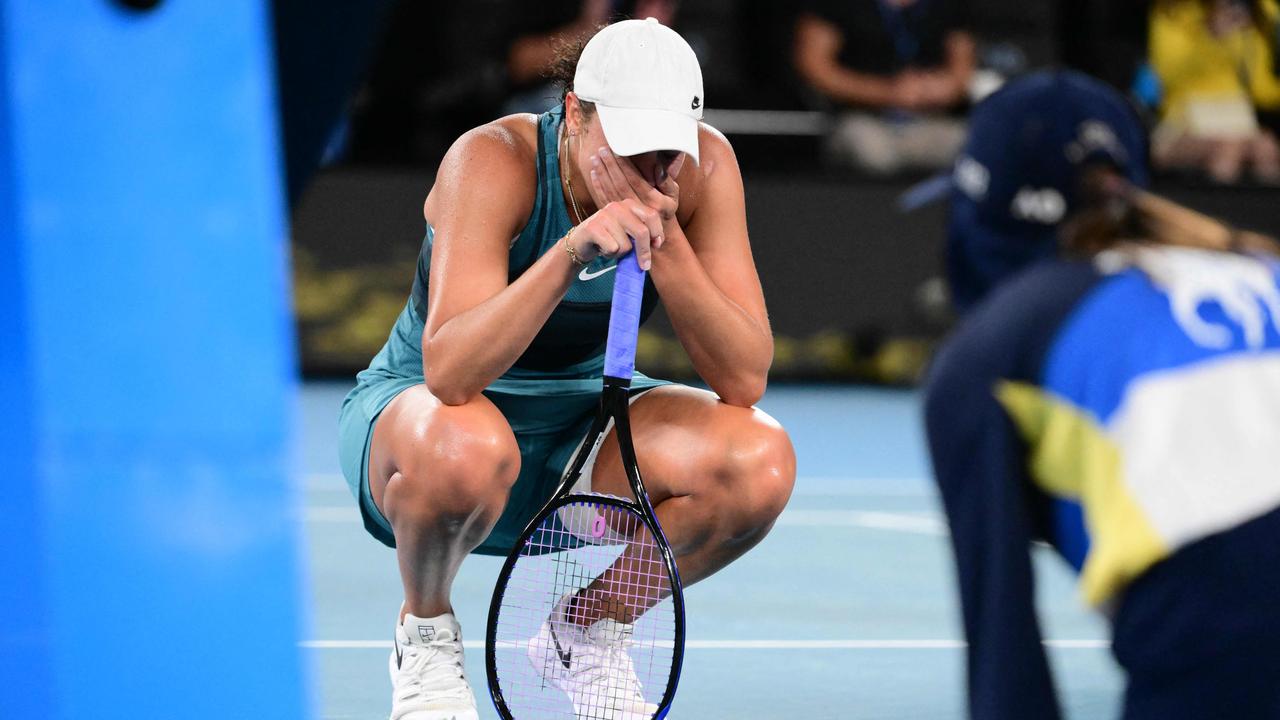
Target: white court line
{"x": 918, "y": 524}
{"x": 1072, "y": 644}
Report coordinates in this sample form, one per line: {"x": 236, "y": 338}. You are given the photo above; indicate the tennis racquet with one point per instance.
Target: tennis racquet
{"x": 587, "y": 619}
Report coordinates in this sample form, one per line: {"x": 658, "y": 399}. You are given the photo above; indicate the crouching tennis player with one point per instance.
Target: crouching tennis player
{"x": 461, "y": 426}
{"x": 1114, "y": 389}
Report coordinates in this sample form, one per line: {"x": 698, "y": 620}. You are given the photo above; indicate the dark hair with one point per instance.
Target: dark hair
{"x": 1113, "y": 211}
{"x": 1104, "y": 218}
{"x": 565, "y": 64}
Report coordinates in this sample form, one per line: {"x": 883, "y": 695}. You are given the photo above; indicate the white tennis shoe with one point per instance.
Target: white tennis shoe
{"x": 428, "y": 680}
{"x": 592, "y": 666}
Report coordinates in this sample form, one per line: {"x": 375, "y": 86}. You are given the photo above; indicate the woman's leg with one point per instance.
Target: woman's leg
{"x": 440, "y": 474}
{"x": 1225, "y": 160}
{"x": 1222, "y": 160}
{"x": 718, "y": 475}
{"x": 1265, "y": 153}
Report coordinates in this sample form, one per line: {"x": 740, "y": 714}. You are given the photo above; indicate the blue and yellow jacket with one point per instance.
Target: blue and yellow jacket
{"x": 1121, "y": 408}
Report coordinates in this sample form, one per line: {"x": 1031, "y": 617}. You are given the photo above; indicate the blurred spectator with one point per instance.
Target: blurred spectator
{"x": 1216, "y": 62}
{"x": 540, "y": 27}
{"x": 896, "y": 68}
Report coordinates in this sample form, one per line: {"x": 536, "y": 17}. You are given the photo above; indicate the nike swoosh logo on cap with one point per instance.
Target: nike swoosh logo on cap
{"x": 588, "y": 275}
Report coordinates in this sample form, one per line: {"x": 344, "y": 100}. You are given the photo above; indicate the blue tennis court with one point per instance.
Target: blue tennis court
{"x": 847, "y": 610}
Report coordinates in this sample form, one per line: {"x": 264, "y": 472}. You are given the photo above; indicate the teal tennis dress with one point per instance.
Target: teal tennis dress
{"x": 548, "y": 397}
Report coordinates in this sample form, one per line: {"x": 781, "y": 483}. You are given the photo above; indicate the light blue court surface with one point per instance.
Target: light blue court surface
{"x": 847, "y": 610}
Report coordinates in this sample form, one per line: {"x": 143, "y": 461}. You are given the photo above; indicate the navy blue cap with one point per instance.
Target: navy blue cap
{"x": 1018, "y": 175}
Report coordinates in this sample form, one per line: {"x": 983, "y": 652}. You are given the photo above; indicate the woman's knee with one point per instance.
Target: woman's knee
{"x": 1226, "y": 160}
{"x": 1266, "y": 156}
{"x": 753, "y": 466}
{"x": 1265, "y": 144}
{"x": 453, "y": 461}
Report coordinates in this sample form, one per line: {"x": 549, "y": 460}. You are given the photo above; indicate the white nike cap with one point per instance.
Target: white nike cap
{"x": 646, "y": 84}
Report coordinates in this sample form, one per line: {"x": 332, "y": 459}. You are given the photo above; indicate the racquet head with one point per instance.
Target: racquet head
{"x": 583, "y": 623}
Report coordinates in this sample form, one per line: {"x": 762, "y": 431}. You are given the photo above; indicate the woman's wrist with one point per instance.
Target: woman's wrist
{"x": 574, "y": 258}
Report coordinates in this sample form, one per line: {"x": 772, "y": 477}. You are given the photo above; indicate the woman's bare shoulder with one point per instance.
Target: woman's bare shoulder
{"x": 715, "y": 150}
{"x": 497, "y": 160}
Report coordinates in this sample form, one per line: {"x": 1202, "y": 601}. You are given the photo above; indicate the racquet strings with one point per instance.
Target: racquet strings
{"x": 574, "y": 547}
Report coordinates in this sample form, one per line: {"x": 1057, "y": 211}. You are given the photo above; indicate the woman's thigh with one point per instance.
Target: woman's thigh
{"x": 688, "y": 442}
{"x": 417, "y": 435}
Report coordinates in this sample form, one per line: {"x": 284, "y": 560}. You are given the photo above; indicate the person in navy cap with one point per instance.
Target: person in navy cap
{"x": 1015, "y": 179}
{"x": 1113, "y": 388}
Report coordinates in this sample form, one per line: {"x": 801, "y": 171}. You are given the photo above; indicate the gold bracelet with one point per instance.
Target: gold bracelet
{"x": 573, "y": 254}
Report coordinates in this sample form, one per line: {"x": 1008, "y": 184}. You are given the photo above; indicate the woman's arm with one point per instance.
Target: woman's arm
{"x": 477, "y": 325}
{"x": 704, "y": 270}
{"x": 707, "y": 278}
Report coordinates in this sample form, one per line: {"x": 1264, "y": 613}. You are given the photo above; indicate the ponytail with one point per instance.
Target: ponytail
{"x": 1114, "y": 211}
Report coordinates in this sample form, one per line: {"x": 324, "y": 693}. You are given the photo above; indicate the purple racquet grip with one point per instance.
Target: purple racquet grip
{"x": 624, "y": 319}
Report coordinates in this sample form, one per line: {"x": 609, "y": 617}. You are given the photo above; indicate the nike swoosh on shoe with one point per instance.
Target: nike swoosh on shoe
{"x": 565, "y": 657}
